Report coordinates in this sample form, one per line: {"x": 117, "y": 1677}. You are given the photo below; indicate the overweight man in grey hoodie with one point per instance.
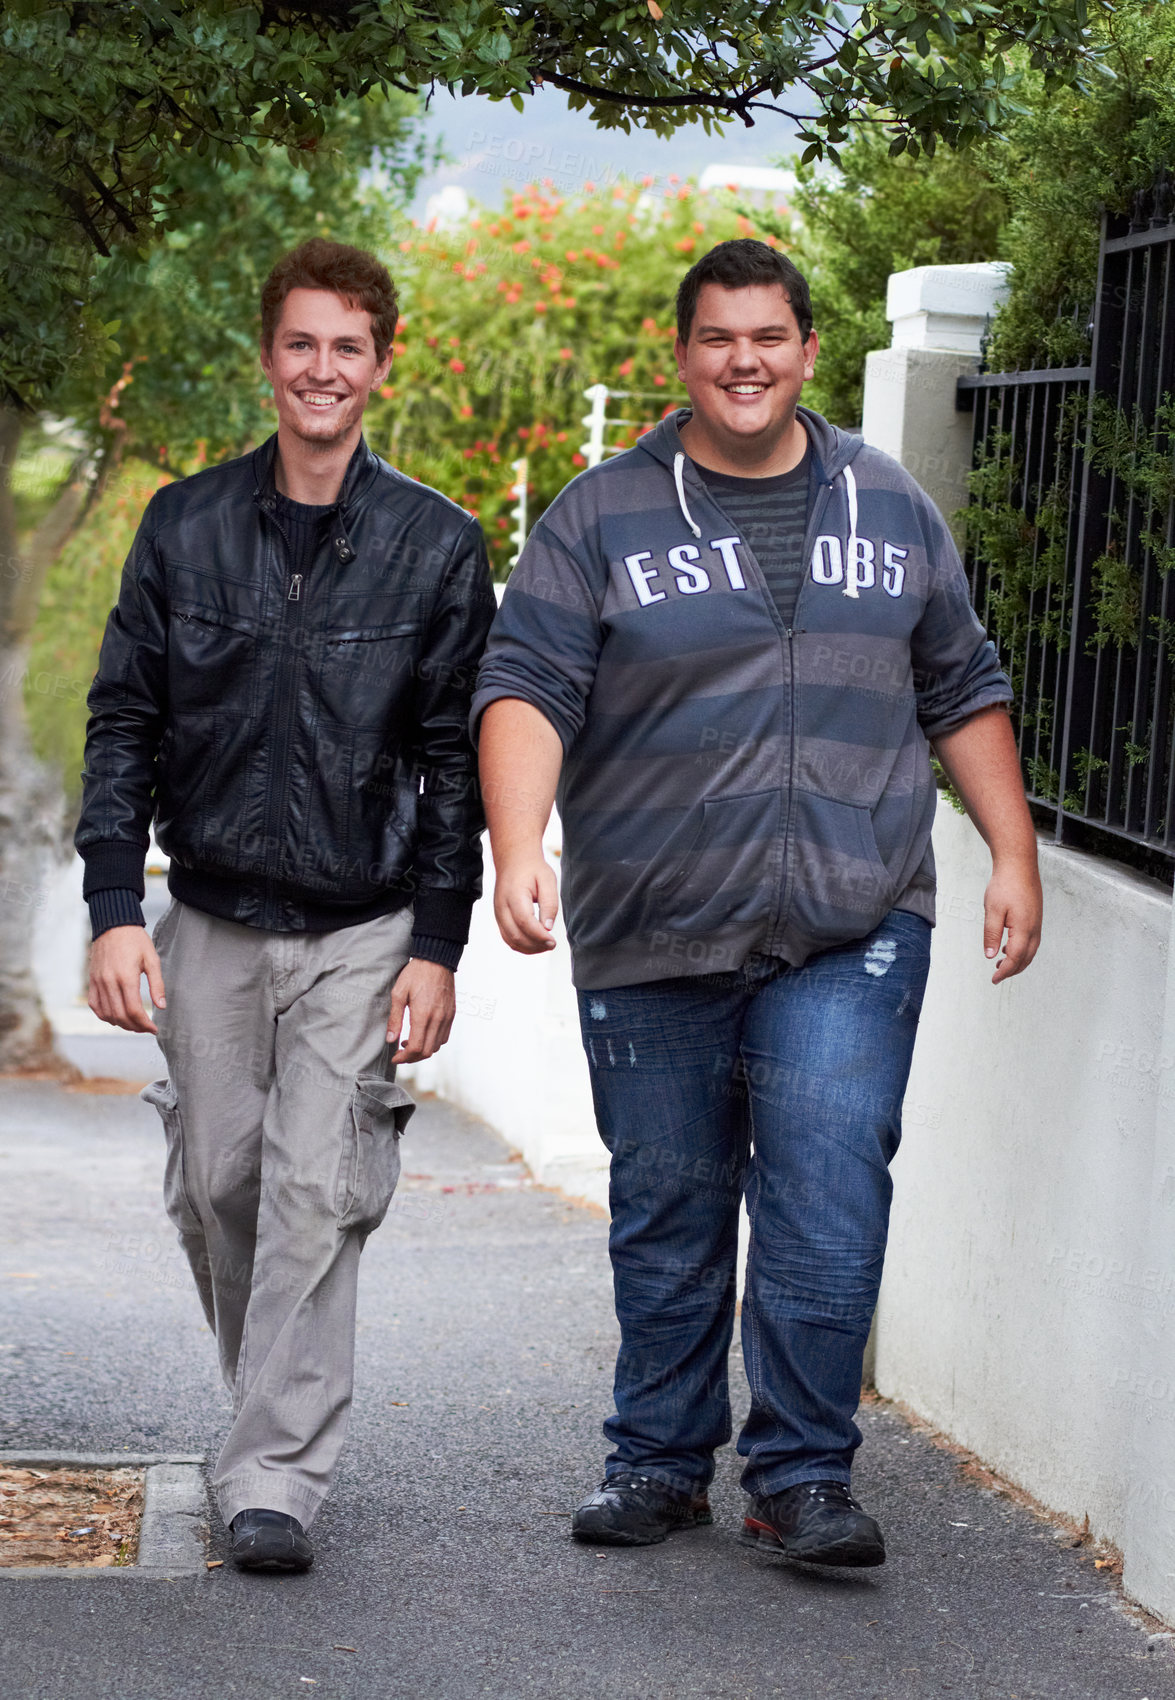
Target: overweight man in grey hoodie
{"x": 730, "y": 650}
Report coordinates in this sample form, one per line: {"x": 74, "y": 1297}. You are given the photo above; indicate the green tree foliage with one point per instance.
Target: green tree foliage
{"x": 880, "y": 214}
{"x": 508, "y": 319}
{"x": 101, "y": 96}
{"x": 1066, "y": 158}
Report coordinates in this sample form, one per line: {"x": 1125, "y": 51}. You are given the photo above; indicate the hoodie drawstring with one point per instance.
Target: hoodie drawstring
{"x": 850, "y": 588}
{"x": 678, "y": 479}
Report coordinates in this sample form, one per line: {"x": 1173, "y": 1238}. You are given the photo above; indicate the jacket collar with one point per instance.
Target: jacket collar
{"x": 361, "y": 469}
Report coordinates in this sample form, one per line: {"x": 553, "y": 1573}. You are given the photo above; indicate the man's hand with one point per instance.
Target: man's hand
{"x": 117, "y": 960}
{"x": 982, "y": 764}
{"x": 521, "y": 885}
{"x": 1013, "y": 902}
{"x": 424, "y": 992}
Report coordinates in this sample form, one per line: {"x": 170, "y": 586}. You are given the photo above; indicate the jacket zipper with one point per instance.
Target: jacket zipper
{"x": 787, "y": 883}
{"x": 283, "y": 708}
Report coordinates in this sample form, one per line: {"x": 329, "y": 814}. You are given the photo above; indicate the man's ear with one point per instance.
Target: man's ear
{"x": 381, "y": 371}
{"x": 679, "y": 356}
{"x": 811, "y": 350}
{"x": 265, "y": 355}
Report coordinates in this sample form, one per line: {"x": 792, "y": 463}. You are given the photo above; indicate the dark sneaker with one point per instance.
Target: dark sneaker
{"x": 630, "y": 1510}
{"x": 269, "y": 1540}
{"x": 819, "y": 1522}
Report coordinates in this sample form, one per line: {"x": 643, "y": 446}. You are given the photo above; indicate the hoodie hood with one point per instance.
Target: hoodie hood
{"x": 832, "y": 452}
{"x": 832, "y": 448}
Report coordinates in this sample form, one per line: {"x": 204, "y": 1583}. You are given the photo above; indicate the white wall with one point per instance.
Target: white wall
{"x": 1028, "y": 1306}
{"x": 1019, "y": 1280}
{"x": 515, "y": 1058}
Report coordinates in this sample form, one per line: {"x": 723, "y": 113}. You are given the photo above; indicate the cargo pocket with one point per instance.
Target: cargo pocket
{"x": 369, "y": 1165}
{"x": 179, "y": 1206}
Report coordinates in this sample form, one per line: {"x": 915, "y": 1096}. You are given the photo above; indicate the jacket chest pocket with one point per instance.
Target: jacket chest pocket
{"x": 211, "y": 661}
{"x": 362, "y": 673}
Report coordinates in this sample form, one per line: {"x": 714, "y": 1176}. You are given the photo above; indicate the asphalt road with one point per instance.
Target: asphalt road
{"x": 444, "y": 1560}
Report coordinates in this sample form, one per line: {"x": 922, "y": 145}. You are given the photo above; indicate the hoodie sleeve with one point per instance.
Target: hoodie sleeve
{"x": 956, "y": 668}
{"x": 545, "y": 643}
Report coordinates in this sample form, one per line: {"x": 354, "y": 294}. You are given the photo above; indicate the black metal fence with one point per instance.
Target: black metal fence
{"x": 1071, "y": 551}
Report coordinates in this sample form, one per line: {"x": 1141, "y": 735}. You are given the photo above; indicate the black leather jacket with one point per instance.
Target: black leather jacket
{"x": 301, "y": 744}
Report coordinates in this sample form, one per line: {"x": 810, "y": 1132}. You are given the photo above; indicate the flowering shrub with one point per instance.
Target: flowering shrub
{"x": 511, "y": 315}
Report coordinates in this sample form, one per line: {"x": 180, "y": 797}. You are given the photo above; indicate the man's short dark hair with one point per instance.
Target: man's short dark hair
{"x": 352, "y": 273}
{"x": 742, "y": 264}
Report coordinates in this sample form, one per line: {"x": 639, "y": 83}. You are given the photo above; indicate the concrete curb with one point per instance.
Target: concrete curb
{"x": 171, "y": 1539}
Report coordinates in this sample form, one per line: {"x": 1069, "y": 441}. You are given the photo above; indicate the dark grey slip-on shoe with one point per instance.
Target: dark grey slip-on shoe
{"x": 269, "y": 1540}
{"x": 631, "y": 1510}
{"x": 818, "y": 1522}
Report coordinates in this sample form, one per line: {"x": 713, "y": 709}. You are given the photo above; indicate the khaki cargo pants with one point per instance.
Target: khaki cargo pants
{"x": 282, "y": 1130}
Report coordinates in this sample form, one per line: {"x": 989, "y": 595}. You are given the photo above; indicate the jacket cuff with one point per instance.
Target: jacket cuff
{"x": 442, "y": 915}
{"x": 114, "y": 865}
{"x": 113, "y": 907}
{"x": 447, "y": 952}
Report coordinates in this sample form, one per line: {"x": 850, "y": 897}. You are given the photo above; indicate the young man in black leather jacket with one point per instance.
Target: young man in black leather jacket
{"x": 284, "y": 688}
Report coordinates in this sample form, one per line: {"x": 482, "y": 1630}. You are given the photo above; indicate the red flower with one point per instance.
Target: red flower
{"x": 659, "y": 380}
{"x": 578, "y": 460}
{"x": 456, "y": 365}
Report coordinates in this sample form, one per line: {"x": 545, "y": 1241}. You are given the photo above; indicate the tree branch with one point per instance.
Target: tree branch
{"x": 111, "y": 204}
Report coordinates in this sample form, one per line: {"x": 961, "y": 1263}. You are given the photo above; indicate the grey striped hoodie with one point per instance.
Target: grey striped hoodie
{"x": 730, "y": 785}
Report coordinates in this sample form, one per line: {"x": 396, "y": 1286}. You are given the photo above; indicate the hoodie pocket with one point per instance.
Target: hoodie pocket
{"x": 719, "y": 865}
{"x": 842, "y": 887}
{"x": 176, "y": 1201}
{"x": 369, "y": 1163}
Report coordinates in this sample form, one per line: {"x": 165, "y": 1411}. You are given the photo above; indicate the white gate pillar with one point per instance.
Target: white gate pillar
{"x": 939, "y": 315}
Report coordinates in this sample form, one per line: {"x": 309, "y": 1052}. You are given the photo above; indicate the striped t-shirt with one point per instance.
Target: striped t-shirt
{"x": 772, "y": 516}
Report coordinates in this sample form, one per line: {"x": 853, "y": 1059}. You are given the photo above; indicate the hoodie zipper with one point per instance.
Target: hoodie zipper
{"x": 787, "y": 883}
{"x": 790, "y": 633}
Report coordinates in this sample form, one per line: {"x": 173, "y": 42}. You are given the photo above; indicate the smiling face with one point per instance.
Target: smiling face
{"x": 323, "y": 367}
{"x": 744, "y": 366}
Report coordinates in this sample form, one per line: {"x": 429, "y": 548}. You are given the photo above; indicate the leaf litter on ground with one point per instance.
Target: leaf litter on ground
{"x": 85, "y": 1519}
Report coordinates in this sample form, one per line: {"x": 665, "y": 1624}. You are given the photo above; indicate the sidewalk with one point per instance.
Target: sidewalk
{"x": 485, "y": 1347}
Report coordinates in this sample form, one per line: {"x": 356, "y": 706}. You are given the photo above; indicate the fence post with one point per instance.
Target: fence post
{"x": 518, "y": 511}
{"x": 595, "y": 421}
{"x": 939, "y": 316}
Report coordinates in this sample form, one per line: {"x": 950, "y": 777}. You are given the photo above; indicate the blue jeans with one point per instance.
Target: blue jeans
{"x": 785, "y": 1083}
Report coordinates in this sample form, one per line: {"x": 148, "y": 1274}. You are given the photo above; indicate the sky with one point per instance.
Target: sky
{"x": 493, "y": 147}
